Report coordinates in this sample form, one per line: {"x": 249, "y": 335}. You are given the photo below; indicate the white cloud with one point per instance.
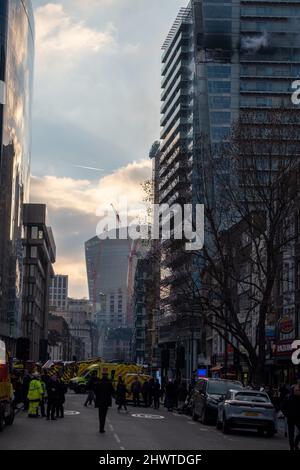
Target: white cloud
{"x": 73, "y": 206}
{"x": 59, "y": 37}
{"x": 88, "y": 197}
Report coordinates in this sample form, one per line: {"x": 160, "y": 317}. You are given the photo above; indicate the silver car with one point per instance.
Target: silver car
{"x": 247, "y": 409}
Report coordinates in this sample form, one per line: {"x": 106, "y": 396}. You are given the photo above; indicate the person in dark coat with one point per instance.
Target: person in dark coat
{"x": 146, "y": 390}
{"x": 104, "y": 391}
{"x": 156, "y": 394}
{"x": 151, "y": 391}
{"x": 62, "y": 390}
{"x": 171, "y": 395}
{"x": 53, "y": 397}
{"x": 136, "y": 389}
{"x": 121, "y": 395}
{"x": 90, "y": 387}
{"x": 291, "y": 409}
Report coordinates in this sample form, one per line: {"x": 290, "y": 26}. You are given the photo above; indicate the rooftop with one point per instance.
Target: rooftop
{"x": 184, "y": 16}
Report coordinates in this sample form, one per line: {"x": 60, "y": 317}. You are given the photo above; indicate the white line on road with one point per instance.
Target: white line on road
{"x": 117, "y": 438}
{"x": 122, "y": 448}
{"x": 111, "y": 427}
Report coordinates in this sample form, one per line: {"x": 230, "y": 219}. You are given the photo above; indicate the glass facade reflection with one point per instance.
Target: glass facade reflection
{"x": 16, "y": 77}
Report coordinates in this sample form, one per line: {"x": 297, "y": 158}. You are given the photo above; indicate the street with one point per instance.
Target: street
{"x": 161, "y": 431}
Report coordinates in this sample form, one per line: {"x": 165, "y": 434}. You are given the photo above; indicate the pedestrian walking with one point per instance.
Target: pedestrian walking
{"x": 104, "y": 391}
{"x": 156, "y": 394}
{"x": 146, "y": 390}
{"x": 291, "y": 409}
{"x": 53, "y": 397}
{"x": 121, "y": 392}
{"x": 34, "y": 396}
{"x": 151, "y": 391}
{"x": 90, "y": 388}
{"x": 62, "y": 390}
{"x": 170, "y": 395}
{"x": 136, "y": 388}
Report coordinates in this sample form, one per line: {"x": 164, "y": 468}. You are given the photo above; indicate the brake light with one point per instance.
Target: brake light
{"x": 243, "y": 404}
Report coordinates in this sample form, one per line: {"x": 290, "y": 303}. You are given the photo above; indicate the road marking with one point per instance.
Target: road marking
{"x": 111, "y": 427}
{"x": 122, "y": 448}
{"x": 117, "y": 438}
{"x": 191, "y": 423}
{"x": 71, "y": 413}
{"x": 146, "y": 416}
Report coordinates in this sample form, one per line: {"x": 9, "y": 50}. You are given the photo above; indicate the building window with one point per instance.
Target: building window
{"x": 33, "y": 252}
{"x": 219, "y": 87}
{"x": 218, "y": 117}
{"x": 34, "y": 233}
{"x": 32, "y": 270}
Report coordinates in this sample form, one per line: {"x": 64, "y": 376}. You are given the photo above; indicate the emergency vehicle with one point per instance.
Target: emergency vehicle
{"x": 114, "y": 371}
{"x": 6, "y": 390}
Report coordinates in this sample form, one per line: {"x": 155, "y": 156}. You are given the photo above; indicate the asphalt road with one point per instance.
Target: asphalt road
{"x": 162, "y": 431}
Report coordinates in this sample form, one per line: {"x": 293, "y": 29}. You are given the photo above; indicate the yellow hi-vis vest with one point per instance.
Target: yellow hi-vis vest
{"x": 35, "y": 390}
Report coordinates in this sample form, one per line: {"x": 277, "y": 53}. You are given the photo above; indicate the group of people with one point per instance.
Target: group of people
{"x": 149, "y": 390}
{"x": 43, "y": 395}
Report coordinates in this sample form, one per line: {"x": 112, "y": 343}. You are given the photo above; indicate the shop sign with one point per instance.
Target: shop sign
{"x": 286, "y": 325}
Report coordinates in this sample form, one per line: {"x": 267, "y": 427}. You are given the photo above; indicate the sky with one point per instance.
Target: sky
{"x": 96, "y": 104}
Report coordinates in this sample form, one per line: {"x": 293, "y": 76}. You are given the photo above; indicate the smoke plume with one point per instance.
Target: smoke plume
{"x": 255, "y": 43}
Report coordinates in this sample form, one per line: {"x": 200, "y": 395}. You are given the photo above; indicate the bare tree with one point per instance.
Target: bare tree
{"x": 249, "y": 187}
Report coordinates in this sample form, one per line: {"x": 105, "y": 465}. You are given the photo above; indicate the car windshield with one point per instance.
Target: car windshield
{"x": 86, "y": 374}
{"x": 221, "y": 388}
{"x": 255, "y": 397}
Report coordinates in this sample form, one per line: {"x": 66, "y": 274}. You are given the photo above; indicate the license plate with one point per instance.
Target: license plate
{"x": 251, "y": 413}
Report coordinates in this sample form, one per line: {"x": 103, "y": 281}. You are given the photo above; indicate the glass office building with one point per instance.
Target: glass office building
{"x": 221, "y": 58}
{"x": 16, "y": 74}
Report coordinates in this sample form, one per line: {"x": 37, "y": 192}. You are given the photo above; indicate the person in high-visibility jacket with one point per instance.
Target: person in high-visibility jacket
{"x": 35, "y": 395}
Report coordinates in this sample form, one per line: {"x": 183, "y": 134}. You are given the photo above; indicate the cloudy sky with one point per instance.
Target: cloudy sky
{"x": 96, "y": 104}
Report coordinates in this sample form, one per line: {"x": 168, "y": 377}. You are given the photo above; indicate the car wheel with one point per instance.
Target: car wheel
{"x": 226, "y": 427}
{"x": 194, "y": 415}
{"x": 219, "y": 425}
{"x": 10, "y": 418}
{"x": 260, "y": 432}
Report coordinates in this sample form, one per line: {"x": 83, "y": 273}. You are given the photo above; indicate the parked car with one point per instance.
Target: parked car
{"x": 247, "y": 409}
{"x": 206, "y": 396}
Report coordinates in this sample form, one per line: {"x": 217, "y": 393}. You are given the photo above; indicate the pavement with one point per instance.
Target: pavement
{"x": 140, "y": 429}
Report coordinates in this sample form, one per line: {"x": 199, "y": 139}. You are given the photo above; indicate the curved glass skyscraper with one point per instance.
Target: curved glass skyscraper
{"x": 16, "y": 77}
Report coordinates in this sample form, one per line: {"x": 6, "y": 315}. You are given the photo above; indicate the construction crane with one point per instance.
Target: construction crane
{"x": 132, "y": 249}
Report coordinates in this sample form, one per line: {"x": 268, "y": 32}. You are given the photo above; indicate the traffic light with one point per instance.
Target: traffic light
{"x": 23, "y": 349}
